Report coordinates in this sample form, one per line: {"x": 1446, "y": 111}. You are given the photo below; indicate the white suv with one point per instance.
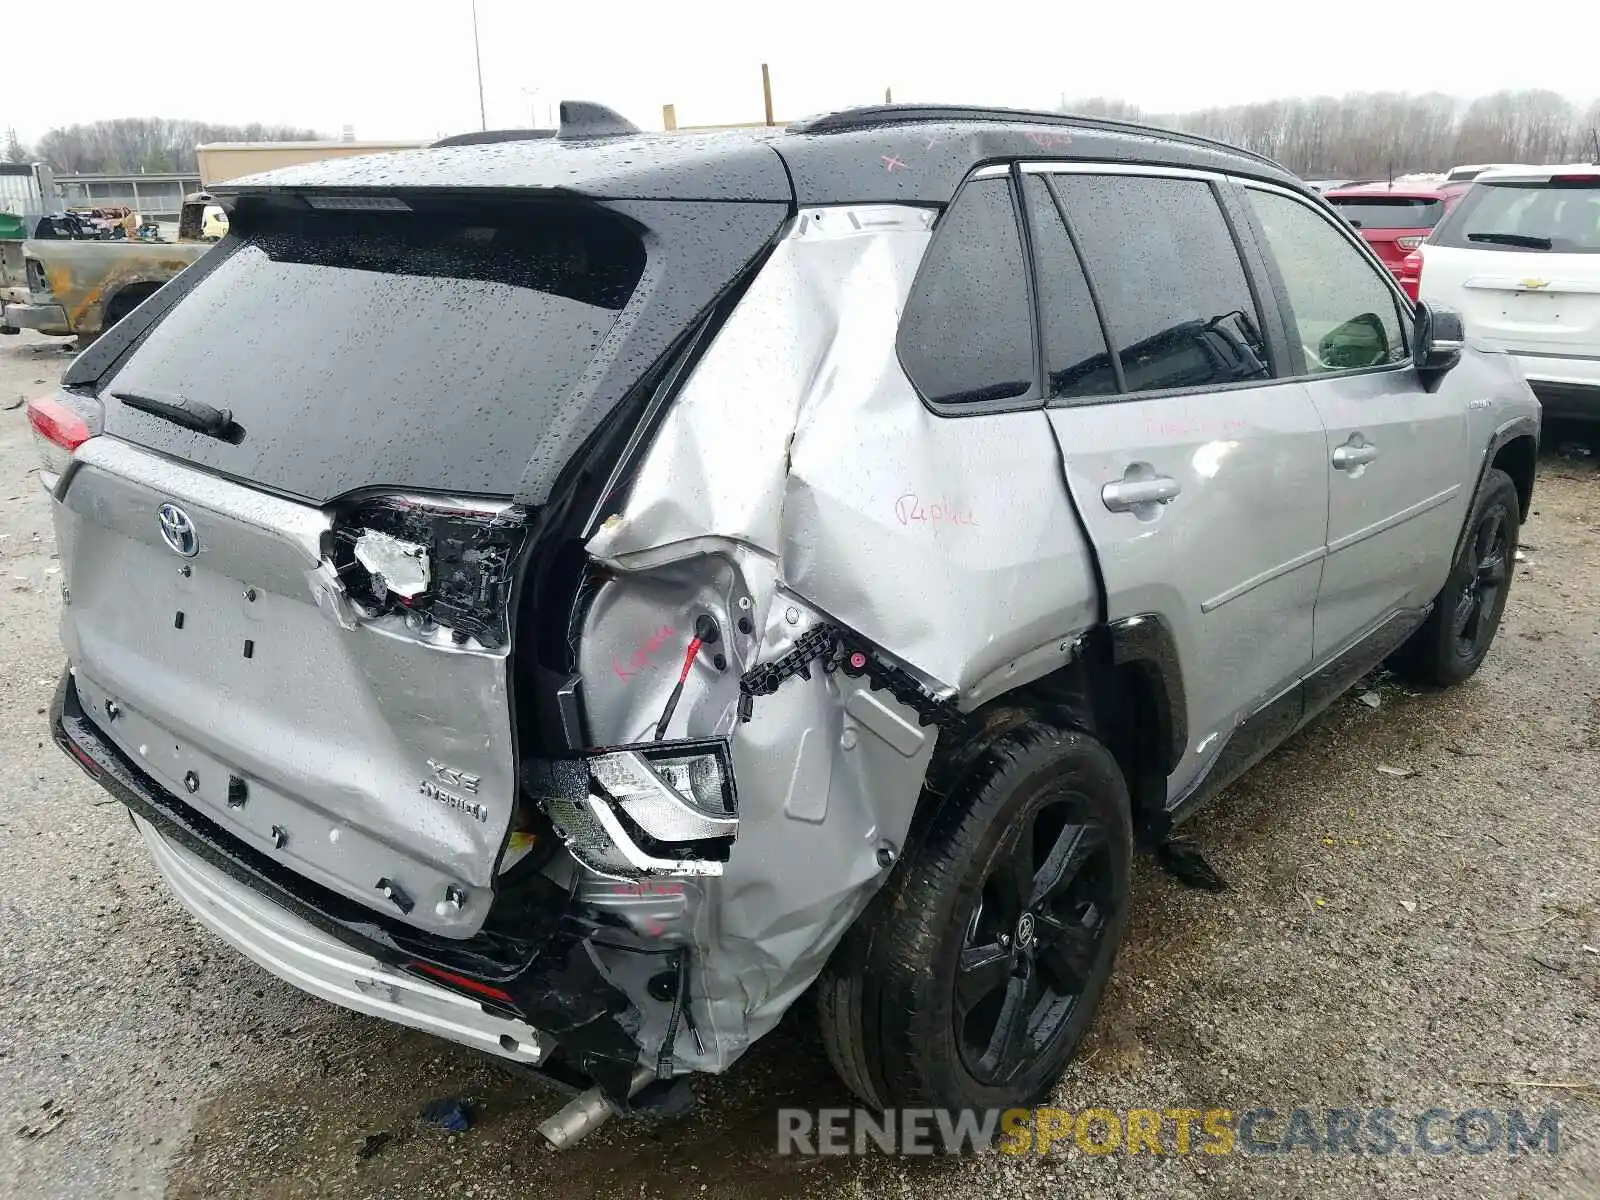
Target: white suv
{"x": 1519, "y": 258}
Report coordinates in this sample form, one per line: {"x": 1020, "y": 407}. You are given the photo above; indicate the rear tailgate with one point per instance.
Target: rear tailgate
{"x": 1392, "y": 225}
{"x": 1526, "y": 302}
{"x": 1392, "y": 245}
{"x": 223, "y": 678}
{"x": 1520, "y": 258}
{"x": 289, "y": 560}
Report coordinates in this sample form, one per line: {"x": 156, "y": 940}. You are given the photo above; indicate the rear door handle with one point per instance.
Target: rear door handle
{"x": 1126, "y": 495}
{"x": 1354, "y": 454}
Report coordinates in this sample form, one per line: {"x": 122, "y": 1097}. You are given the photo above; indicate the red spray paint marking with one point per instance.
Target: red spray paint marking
{"x": 891, "y": 164}
{"x": 641, "y": 658}
{"x": 909, "y": 510}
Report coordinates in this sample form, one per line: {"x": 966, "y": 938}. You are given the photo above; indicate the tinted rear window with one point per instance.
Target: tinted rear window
{"x": 1390, "y": 213}
{"x": 1169, "y": 280}
{"x": 1078, "y": 362}
{"x": 1560, "y": 217}
{"x": 966, "y": 336}
{"x": 418, "y": 350}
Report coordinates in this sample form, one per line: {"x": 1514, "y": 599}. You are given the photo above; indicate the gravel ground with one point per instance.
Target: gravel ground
{"x": 1406, "y": 942}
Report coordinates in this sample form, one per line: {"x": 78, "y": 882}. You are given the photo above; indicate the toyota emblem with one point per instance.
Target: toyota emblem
{"x": 177, "y": 530}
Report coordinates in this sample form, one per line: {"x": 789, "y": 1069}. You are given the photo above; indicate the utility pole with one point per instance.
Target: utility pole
{"x": 766, "y": 90}
{"x": 477, "y": 57}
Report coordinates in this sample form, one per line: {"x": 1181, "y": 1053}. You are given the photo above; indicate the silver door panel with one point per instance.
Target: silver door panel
{"x": 1232, "y": 560}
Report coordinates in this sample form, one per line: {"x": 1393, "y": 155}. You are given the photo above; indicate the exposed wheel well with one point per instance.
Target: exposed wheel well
{"x": 1119, "y": 705}
{"x": 1518, "y": 458}
{"x": 125, "y": 301}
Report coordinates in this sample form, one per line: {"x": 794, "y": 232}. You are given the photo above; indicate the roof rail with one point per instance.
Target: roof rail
{"x": 586, "y": 119}
{"x": 874, "y": 115}
{"x": 488, "y": 136}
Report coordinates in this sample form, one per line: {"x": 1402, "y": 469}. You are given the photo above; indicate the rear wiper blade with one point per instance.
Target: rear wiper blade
{"x": 1511, "y": 239}
{"x": 180, "y": 410}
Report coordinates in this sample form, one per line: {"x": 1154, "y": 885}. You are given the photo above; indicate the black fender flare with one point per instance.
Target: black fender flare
{"x": 1146, "y": 644}
{"x": 1523, "y": 426}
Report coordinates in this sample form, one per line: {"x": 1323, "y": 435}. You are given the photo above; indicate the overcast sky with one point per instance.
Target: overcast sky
{"x": 405, "y": 70}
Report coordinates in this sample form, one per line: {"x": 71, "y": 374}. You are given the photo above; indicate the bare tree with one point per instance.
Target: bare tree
{"x": 150, "y": 144}
{"x": 1374, "y": 135}
{"x": 1112, "y": 110}
{"x": 15, "y": 151}
{"x": 1587, "y": 131}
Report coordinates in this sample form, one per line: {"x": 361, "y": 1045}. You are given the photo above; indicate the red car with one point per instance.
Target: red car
{"x": 1395, "y": 217}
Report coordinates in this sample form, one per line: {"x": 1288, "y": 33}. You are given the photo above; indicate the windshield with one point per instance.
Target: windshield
{"x": 418, "y": 349}
{"x": 1559, "y": 216}
{"x": 1390, "y": 212}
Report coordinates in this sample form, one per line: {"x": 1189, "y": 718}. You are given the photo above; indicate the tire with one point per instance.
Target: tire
{"x": 1451, "y": 644}
{"x": 887, "y": 1002}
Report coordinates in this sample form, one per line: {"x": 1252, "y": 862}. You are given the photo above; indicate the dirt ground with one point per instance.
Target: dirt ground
{"x": 1390, "y": 940}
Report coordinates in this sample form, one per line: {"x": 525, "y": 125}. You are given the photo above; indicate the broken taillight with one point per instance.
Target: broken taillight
{"x": 61, "y": 423}
{"x": 442, "y": 563}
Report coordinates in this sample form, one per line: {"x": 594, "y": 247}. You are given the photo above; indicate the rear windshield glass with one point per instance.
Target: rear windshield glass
{"x": 1393, "y": 212}
{"x": 1561, "y": 217}
{"x": 417, "y": 349}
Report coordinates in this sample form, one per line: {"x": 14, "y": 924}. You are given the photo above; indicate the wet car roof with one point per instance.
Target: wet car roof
{"x": 888, "y": 155}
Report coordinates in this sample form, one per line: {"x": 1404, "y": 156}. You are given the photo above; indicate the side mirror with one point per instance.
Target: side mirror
{"x": 1438, "y": 341}
{"x": 1361, "y": 341}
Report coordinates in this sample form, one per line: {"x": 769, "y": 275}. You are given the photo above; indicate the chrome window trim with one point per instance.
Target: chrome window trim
{"x": 1103, "y": 168}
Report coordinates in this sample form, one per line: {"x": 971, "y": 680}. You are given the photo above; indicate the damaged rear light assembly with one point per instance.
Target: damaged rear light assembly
{"x": 663, "y": 808}
{"x": 439, "y": 563}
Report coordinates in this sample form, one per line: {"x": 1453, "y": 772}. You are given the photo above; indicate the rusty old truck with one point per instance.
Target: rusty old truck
{"x": 81, "y": 288}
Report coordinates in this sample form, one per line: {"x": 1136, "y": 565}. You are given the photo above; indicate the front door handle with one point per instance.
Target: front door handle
{"x": 1130, "y": 495}
{"x": 1354, "y": 454}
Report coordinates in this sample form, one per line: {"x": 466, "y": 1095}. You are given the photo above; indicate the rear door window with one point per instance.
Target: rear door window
{"x": 1391, "y": 212}
{"x": 1169, "y": 278}
{"x": 421, "y": 349}
{"x": 1562, "y": 215}
{"x": 1077, "y": 362}
{"x": 966, "y": 337}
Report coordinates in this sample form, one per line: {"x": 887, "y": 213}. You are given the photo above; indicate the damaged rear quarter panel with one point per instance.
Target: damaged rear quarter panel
{"x": 947, "y": 540}
{"x": 799, "y": 456}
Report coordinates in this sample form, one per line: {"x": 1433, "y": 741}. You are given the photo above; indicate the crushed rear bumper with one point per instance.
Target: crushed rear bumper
{"x": 540, "y": 990}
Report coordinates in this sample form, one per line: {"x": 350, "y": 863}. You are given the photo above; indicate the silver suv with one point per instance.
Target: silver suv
{"x": 576, "y": 596}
